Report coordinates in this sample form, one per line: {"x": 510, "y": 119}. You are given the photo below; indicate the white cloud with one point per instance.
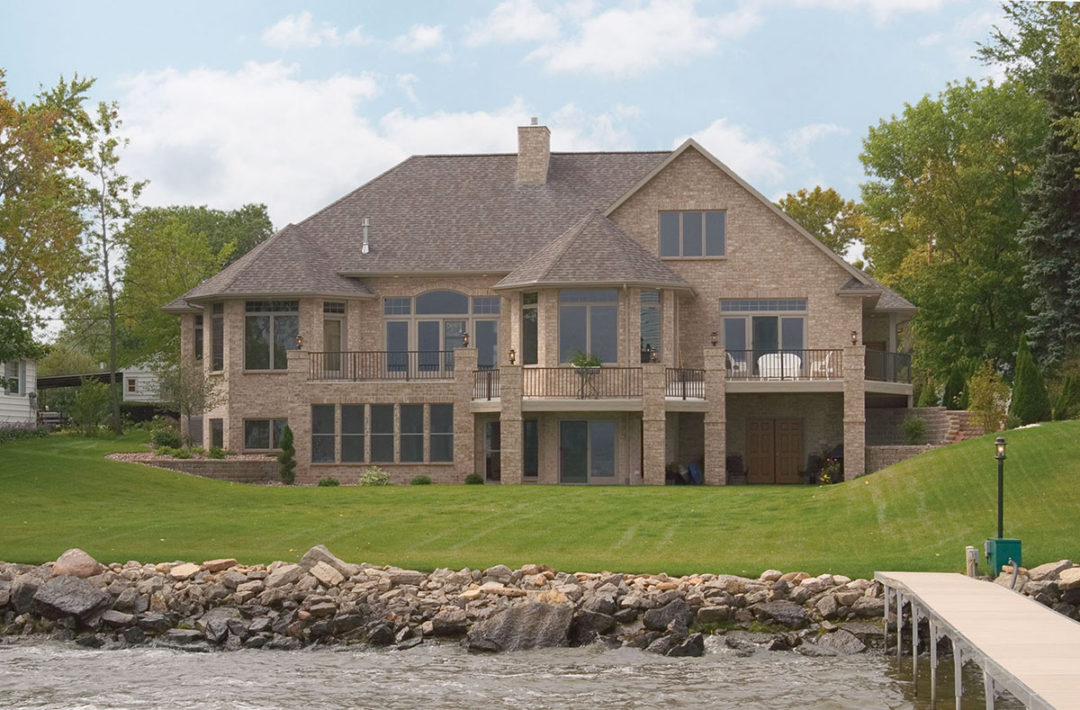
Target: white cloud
{"x": 406, "y": 82}
{"x": 800, "y": 139}
{"x": 419, "y": 38}
{"x": 514, "y": 21}
{"x": 263, "y": 134}
{"x": 880, "y": 10}
{"x": 300, "y": 31}
{"x": 630, "y": 40}
{"x": 754, "y": 159}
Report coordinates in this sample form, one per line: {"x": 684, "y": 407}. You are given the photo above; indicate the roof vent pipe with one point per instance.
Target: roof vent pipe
{"x": 534, "y": 121}
{"x": 365, "y": 247}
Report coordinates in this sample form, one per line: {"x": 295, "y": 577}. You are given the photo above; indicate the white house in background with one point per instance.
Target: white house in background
{"x": 140, "y": 383}
{"x": 18, "y": 392}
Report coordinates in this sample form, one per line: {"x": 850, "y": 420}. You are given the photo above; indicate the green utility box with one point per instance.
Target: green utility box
{"x": 999, "y": 550}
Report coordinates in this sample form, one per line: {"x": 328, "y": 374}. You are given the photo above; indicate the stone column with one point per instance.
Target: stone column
{"x": 510, "y": 426}
{"x": 854, "y": 411}
{"x": 297, "y": 405}
{"x": 464, "y": 420}
{"x": 653, "y": 424}
{"x": 715, "y": 416}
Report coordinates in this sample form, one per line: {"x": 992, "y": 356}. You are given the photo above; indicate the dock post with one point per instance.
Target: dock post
{"x": 914, "y": 646}
{"x": 988, "y": 689}
{"x": 958, "y": 664}
{"x": 933, "y": 663}
{"x": 885, "y": 626}
{"x": 899, "y": 622}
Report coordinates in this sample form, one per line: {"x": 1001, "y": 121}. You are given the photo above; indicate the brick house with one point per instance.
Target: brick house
{"x": 427, "y": 322}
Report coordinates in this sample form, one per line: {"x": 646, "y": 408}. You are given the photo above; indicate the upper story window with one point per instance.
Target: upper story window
{"x": 197, "y": 337}
{"x": 588, "y": 323}
{"x": 529, "y": 328}
{"x": 692, "y": 234}
{"x": 270, "y": 330}
{"x": 217, "y": 337}
{"x": 763, "y": 325}
{"x": 438, "y": 321}
{"x": 650, "y": 326}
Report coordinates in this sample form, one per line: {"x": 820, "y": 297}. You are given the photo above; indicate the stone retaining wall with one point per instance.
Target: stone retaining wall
{"x": 223, "y": 470}
{"x": 879, "y": 457}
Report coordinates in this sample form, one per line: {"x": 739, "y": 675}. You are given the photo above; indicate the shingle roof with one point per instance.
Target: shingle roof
{"x": 593, "y": 251}
{"x": 889, "y": 300}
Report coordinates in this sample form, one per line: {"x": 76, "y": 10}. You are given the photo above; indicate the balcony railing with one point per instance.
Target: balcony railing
{"x": 382, "y": 365}
{"x": 684, "y": 383}
{"x": 582, "y": 382}
{"x": 485, "y": 384}
{"x": 785, "y": 365}
{"x": 888, "y": 367}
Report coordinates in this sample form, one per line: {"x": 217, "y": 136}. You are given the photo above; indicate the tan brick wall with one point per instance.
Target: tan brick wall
{"x": 534, "y": 154}
{"x": 821, "y": 415}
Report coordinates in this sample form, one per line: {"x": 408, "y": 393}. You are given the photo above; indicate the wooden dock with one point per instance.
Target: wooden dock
{"x": 1021, "y": 646}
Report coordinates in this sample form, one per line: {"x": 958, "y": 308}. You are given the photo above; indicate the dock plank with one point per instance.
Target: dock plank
{"x": 1027, "y": 647}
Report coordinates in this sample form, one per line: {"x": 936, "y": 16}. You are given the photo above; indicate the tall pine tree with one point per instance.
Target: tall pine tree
{"x": 1030, "y": 402}
{"x": 1050, "y": 238}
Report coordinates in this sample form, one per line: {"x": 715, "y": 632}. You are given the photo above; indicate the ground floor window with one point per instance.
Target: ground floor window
{"x": 195, "y": 430}
{"x": 263, "y": 434}
{"x": 531, "y": 453}
{"x": 405, "y": 433}
{"x": 217, "y": 433}
{"x": 587, "y": 451}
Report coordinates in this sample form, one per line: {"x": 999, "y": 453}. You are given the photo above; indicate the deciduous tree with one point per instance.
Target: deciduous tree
{"x": 836, "y": 222}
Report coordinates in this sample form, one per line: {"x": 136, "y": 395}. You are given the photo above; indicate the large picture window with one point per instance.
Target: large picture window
{"x": 588, "y": 323}
{"x": 692, "y": 234}
{"x": 270, "y": 330}
{"x": 756, "y": 327}
{"x": 437, "y": 321}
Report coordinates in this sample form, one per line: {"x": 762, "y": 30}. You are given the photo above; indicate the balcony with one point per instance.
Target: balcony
{"x": 779, "y": 365}
{"x": 381, "y": 365}
{"x": 684, "y": 383}
{"x": 888, "y": 367}
{"x": 582, "y": 382}
{"x": 486, "y": 385}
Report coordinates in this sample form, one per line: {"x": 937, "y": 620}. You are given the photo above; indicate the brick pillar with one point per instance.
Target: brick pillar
{"x": 464, "y": 421}
{"x": 715, "y": 416}
{"x": 298, "y": 410}
{"x": 510, "y": 423}
{"x": 854, "y": 411}
{"x": 653, "y": 424}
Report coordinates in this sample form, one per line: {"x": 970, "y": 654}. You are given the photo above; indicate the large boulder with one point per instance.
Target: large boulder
{"x": 1069, "y": 579}
{"x": 319, "y": 553}
{"x": 214, "y": 624}
{"x": 524, "y": 626}
{"x": 677, "y": 611}
{"x": 76, "y": 563}
{"x": 66, "y": 596}
{"x": 450, "y": 621}
{"x": 1048, "y": 571}
{"x": 784, "y": 613}
{"x": 286, "y": 574}
{"x": 844, "y": 643}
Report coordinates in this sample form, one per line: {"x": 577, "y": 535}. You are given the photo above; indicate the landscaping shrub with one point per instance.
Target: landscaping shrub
{"x": 420, "y": 481}
{"x": 172, "y": 451}
{"x": 914, "y": 430}
{"x": 474, "y": 479}
{"x": 328, "y": 482}
{"x": 90, "y": 406}
{"x": 1067, "y": 403}
{"x": 374, "y": 476}
{"x": 927, "y": 396}
{"x": 215, "y": 452}
{"x": 166, "y": 437}
{"x": 287, "y": 457}
{"x": 987, "y": 395}
{"x": 1030, "y": 401}
{"x": 953, "y": 396}
{"x": 14, "y": 432}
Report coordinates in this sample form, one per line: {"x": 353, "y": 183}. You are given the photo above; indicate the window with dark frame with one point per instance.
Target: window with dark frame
{"x": 650, "y": 326}
{"x": 588, "y": 323}
{"x": 197, "y": 338}
{"x": 382, "y": 433}
{"x": 441, "y": 433}
{"x": 270, "y": 330}
{"x": 690, "y": 234}
{"x": 529, "y": 328}
{"x": 352, "y": 433}
{"x": 531, "y": 454}
{"x": 322, "y": 433}
{"x": 263, "y": 434}
{"x": 412, "y": 433}
{"x": 217, "y": 433}
{"x": 217, "y": 337}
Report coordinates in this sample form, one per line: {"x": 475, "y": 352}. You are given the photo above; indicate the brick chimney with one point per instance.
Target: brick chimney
{"x": 534, "y": 154}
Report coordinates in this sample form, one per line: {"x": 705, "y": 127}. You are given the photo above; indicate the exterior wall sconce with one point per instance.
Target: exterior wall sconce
{"x": 653, "y": 357}
{"x": 714, "y": 338}
{"x": 854, "y": 337}
{"x": 465, "y": 340}
{"x": 299, "y": 342}
{"x": 513, "y": 356}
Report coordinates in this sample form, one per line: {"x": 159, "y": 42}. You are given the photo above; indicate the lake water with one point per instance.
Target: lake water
{"x": 40, "y": 674}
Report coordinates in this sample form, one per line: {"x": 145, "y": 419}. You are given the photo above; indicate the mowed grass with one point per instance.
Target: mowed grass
{"x": 61, "y": 492}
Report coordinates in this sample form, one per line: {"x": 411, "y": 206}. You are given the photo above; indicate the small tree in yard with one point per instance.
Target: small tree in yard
{"x": 287, "y": 457}
{"x": 987, "y": 396}
{"x": 90, "y": 406}
{"x": 1030, "y": 401}
{"x": 189, "y": 390}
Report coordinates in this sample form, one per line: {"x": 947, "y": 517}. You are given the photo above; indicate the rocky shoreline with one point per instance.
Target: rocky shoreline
{"x": 323, "y": 600}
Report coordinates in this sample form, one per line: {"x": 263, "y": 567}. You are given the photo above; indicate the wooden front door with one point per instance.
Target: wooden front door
{"x": 774, "y": 450}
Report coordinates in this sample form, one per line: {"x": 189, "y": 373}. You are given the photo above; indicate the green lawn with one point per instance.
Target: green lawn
{"x": 60, "y": 492}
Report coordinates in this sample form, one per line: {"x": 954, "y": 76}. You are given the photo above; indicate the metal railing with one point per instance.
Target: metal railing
{"x": 684, "y": 383}
{"x": 382, "y": 365}
{"x": 888, "y": 367}
{"x": 485, "y": 384}
{"x": 785, "y": 364}
{"x": 582, "y": 382}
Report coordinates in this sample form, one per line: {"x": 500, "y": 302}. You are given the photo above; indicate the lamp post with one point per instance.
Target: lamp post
{"x": 999, "y": 445}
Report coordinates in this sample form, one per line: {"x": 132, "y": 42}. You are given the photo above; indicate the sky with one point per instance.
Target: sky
{"x": 295, "y": 104}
